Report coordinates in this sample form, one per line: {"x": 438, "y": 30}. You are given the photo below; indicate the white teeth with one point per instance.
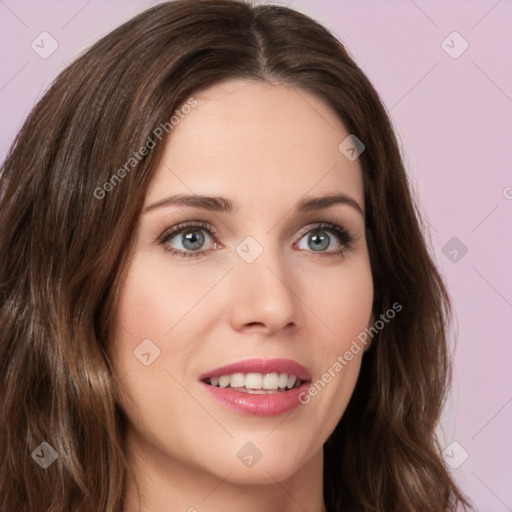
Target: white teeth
{"x": 257, "y": 391}
{"x": 270, "y": 381}
{"x": 237, "y": 380}
{"x": 256, "y": 382}
{"x": 224, "y": 381}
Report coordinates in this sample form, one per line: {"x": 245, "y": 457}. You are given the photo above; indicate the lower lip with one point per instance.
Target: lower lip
{"x": 273, "y": 404}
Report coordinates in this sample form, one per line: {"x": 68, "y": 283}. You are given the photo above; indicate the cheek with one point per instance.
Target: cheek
{"x": 341, "y": 301}
{"x": 343, "y": 305}
{"x": 155, "y": 308}
{"x": 155, "y": 300}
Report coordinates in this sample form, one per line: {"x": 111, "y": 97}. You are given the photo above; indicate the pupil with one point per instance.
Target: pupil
{"x": 319, "y": 241}
{"x": 193, "y": 240}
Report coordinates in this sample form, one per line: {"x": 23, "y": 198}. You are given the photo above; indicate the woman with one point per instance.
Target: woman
{"x": 215, "y": 291}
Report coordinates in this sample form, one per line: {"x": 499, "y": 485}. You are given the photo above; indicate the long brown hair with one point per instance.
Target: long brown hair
{"x": 65, "y": 237}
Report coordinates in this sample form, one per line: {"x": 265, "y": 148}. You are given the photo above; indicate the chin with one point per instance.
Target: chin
{"x": 263, "y": 474}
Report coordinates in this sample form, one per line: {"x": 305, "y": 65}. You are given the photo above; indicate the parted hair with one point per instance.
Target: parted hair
{"x": 64, "y": 253}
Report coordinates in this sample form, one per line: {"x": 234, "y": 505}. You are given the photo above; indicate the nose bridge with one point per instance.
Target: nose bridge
{"x": 264, "y": 285}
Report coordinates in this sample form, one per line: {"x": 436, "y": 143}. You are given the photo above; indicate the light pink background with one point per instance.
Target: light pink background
{"x": 454, "y": 120}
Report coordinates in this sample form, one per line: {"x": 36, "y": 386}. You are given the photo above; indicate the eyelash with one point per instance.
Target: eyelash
{"x": 344, "y": 236}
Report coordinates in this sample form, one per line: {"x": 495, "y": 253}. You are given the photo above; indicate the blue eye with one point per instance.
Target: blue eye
{"x": 319, "y": 239}
{"x": 191, "y": 237}
{"x": 193, "y": 240}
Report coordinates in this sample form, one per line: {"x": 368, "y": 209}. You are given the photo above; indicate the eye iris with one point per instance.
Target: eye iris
{"x": 196, "y": 238}
{"x": 320, "y": 241}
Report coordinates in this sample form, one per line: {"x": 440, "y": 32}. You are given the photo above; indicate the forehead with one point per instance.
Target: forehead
{"x": 257, "y": 142}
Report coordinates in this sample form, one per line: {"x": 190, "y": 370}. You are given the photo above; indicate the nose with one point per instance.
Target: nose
{"x": 263, "y": 296}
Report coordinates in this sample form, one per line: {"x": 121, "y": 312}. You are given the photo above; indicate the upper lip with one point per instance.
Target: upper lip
{"x": 263, "y": 366}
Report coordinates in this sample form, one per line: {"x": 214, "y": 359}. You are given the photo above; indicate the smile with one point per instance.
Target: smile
{"x": 258, "y": 387}
{"x": 256, "y": 383}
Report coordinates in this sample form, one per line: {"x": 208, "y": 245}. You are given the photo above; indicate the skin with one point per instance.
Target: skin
{"x": 265, "y": 147}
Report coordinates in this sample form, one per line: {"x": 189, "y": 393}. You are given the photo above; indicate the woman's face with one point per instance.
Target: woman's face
{"x": 259, "y": 286}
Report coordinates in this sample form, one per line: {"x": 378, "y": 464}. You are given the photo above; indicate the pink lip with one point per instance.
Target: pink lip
{"x": 273, "y": 404}
{"x": 261, "y": 366}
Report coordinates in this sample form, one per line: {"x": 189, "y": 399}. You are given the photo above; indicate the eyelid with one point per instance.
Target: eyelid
{"x": 186, "y": 224}
{"x": 317, "y": 225}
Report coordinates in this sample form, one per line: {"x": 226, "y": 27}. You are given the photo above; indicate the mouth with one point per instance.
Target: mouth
{"x": 258, "y": 387}
{"x": 256, "y": 383}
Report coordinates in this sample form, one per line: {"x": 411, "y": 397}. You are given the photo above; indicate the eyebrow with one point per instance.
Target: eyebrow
{"x": 222, "y": 204}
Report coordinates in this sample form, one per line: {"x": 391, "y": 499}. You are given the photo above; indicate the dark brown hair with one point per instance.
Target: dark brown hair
{"x": 64, "y": 253}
